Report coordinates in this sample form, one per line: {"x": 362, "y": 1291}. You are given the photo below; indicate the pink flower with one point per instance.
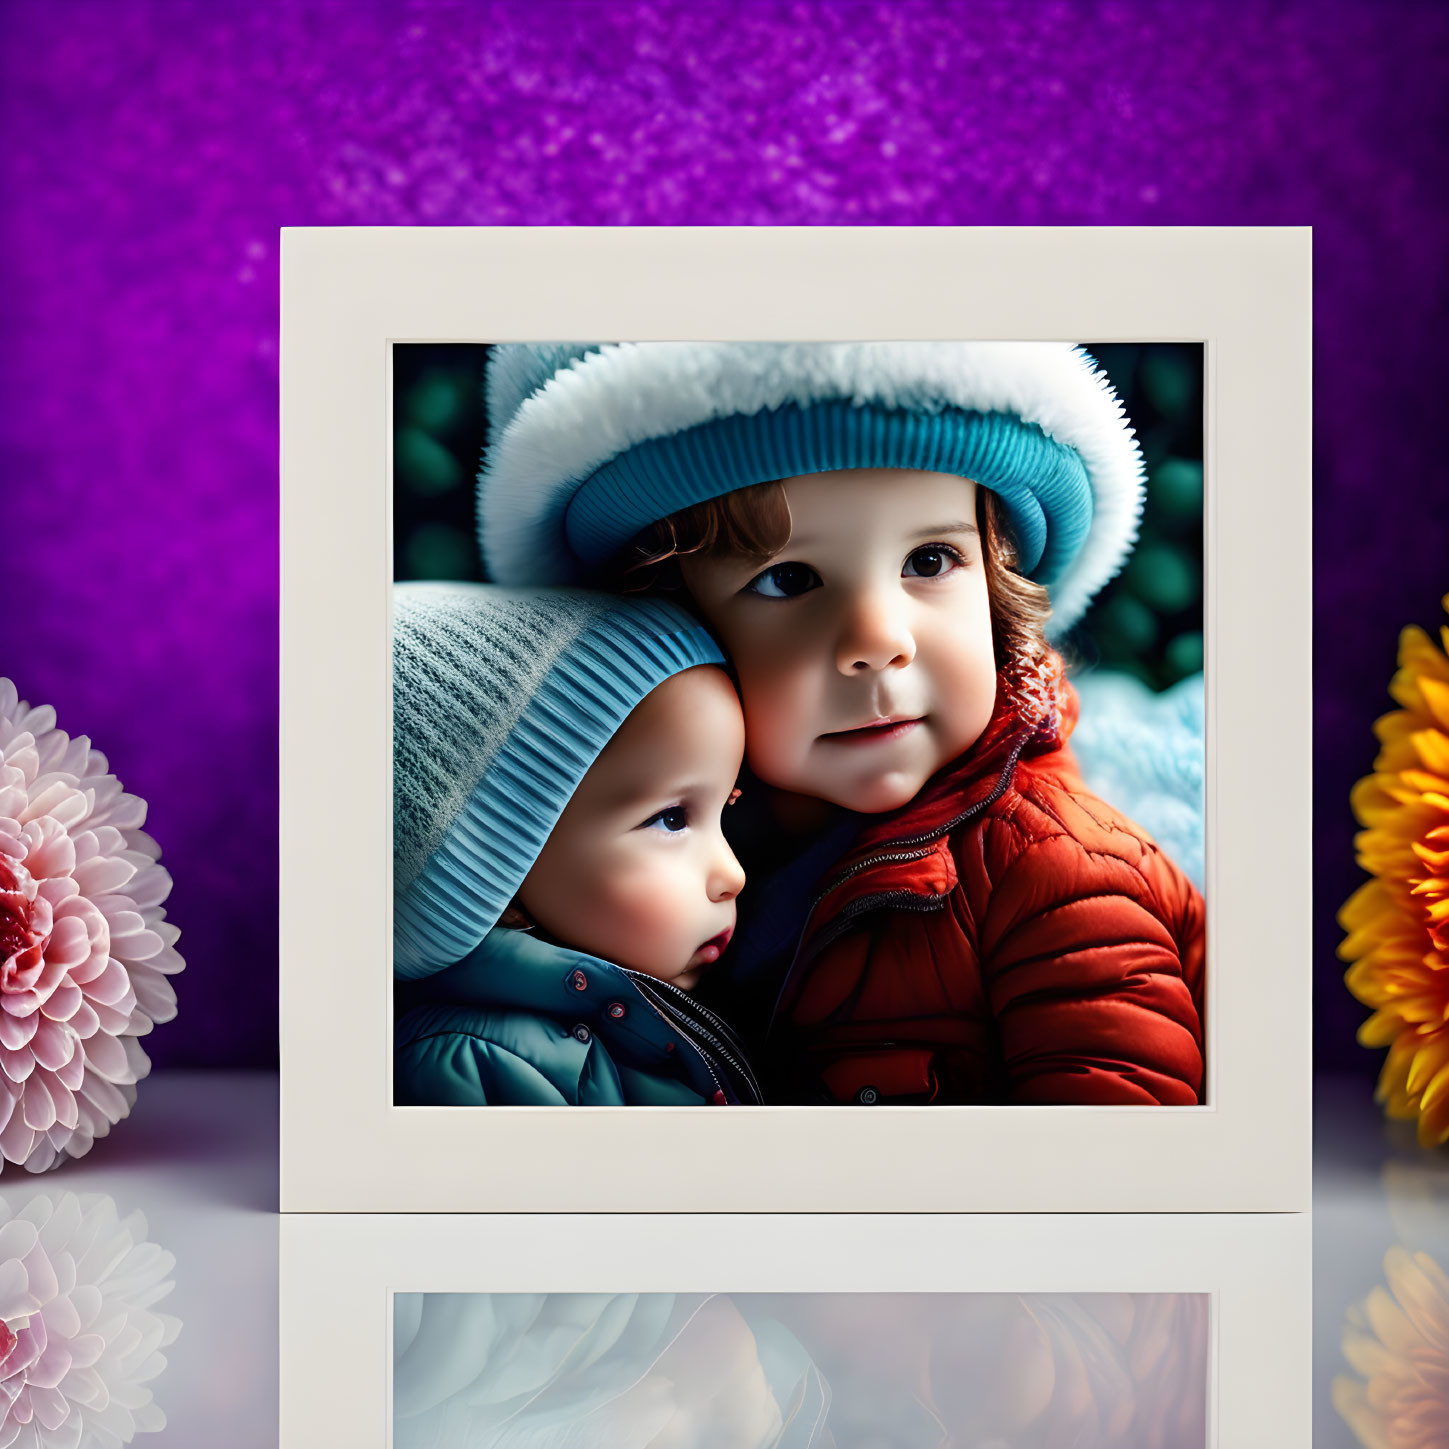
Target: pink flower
{"x": 85, "y": 949}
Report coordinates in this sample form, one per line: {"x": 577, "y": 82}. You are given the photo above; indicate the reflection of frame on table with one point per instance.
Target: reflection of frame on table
{"x": 338, "y": 1275}
{"x": 349, "y": 294}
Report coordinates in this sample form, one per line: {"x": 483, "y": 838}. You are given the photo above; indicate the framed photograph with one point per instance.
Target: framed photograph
{"x": 1162, "y": 1333}
{"x": 837, "y": 695}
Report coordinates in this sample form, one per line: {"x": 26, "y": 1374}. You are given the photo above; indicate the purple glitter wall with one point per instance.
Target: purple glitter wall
{"x": 152, "y": 149}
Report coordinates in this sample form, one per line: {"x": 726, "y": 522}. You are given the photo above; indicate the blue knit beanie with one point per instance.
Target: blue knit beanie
{"x": 502, "y": 699}
{"x": 589, "y": 443}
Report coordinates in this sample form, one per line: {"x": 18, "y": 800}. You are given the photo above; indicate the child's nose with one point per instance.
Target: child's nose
{"x": 727, "y": 879}
{"x": 875, "y": 635}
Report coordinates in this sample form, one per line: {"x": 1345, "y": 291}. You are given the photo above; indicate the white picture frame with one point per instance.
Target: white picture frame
{"x": 339, "y": 1275}
{"x": 349, "y": 294}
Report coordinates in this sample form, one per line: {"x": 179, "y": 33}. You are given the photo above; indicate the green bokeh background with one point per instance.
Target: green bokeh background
{"x": 1147, "y": 622}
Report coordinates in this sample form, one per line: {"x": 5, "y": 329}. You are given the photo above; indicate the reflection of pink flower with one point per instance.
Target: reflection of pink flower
{"x": 82, "y": 1336}
{"x": 85, "y": 948}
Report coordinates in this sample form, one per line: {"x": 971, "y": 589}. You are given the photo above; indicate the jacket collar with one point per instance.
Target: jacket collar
{"x": 515, "y": 970}
{"x": 1036, "y": 710}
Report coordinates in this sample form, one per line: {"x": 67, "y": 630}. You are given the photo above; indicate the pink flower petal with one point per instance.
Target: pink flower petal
{"x": 50, "y": 975}
{"x": 136, "y": 1055}
{"x": 25, "y": 758}
{"x": 62, "y": 802}
{"x": 103, "y": 875}
{"x": 106, "y": 1055}
{"x": 85, "y": 1022}
{"x": 111, "y": 986}
{"x": 50, "y": 1407}
{"x": 69, "y": 944}
{"x": 21, "y": 1002}
{"x": 168, "y": 961}
{"x": 154, "y": 995}
{"x": 40, "y": 720}
{"x": 72, "y": 1074}
{"x": 128, "y": 812}
{"x": 137, "y": 945}
{"x": 57, "y": 889}
{"x": 113, "y": 1021}
{"x": 54, "y": 1044}
{"x": 96, "y": 962}
{"x": 16, "y": 1031}
{"x": 16, "y": 1139}
{"x": 37, "y": 1104}
{"x": 53, "y": 851}
{"x": 76, "y": 754}
{"x": 64, "y": 1001}
{"x": 88, "y": 1389}
{"x": 61, "y": 1320}
{"x": 107, "y": 1099}
{"x": 44, "y": 1154}
{"x": 16, "y": 1065}
{"x": 16, "y": 1299}
{"x": 121, "y": 915}
{"x": 86, "y": 1349}
{"x": 151, "y": 885}
{"x": 107, "y": 790}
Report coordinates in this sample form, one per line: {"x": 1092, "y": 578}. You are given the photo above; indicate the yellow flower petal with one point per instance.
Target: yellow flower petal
{"x": 1380, "y": 1029}
{"x": 1432, "y": 747}
{"x": 1436, "y": 696}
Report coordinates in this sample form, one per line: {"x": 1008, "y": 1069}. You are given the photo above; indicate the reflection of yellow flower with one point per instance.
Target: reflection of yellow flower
{"x": 1398, "y": 923}
{"x": 1401, "y": 1349}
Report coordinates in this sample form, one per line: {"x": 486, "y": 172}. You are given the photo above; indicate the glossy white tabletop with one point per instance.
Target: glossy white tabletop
{"x": 198, "y": 1160}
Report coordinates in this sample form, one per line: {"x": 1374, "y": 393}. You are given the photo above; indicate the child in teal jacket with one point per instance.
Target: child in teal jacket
{"x": 561, "y": 762}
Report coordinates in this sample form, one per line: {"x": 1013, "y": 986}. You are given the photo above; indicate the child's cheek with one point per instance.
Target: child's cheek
{"x": 642, "y": 911}
{"x": 778, "y": 690}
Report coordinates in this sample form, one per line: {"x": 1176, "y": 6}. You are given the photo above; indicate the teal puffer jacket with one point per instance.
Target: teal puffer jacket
{"x": 520, "y": 1022}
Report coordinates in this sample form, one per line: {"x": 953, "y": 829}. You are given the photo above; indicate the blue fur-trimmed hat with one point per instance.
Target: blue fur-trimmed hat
{"x": 589, "y": 443}
{"x": 502, "y": 699}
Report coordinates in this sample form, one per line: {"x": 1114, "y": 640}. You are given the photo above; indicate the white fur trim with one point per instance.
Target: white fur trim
{"x": 627, "y": 393}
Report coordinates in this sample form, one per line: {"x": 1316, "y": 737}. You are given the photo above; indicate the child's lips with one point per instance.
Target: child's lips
{"x": 893, "y": 728}
{"x": 713, "y": 948}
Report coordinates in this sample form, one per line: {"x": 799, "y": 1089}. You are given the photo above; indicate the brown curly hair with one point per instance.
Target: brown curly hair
{"x": 754, "y": 523}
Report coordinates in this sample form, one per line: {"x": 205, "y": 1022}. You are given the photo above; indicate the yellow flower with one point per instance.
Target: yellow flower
{"x": 1399, "y": 1344}
{"x": 1398, "y": 923}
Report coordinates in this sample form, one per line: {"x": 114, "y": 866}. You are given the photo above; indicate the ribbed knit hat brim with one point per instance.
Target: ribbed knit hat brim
{"x": 590, "y": 443}
{"x": 502, "y": 699}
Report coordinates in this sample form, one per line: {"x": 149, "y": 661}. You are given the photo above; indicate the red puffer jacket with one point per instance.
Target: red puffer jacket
{"x": 1006, "y": 937}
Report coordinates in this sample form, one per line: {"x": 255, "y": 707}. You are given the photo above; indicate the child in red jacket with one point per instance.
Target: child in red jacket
{"x": 878, "y": 535}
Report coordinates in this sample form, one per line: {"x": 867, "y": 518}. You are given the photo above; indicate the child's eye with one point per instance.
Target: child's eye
{"x": 931, "y": 562}
{"x": 673, "y": 820}
{"x": 784, "y": 581}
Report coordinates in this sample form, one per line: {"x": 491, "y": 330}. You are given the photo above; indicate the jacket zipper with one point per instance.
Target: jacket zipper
{"x": 699, "y": 1009}
{"x": 896, "y": 851}
{"x": 889, "y": 852}
{"x": 649, "y": 988}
